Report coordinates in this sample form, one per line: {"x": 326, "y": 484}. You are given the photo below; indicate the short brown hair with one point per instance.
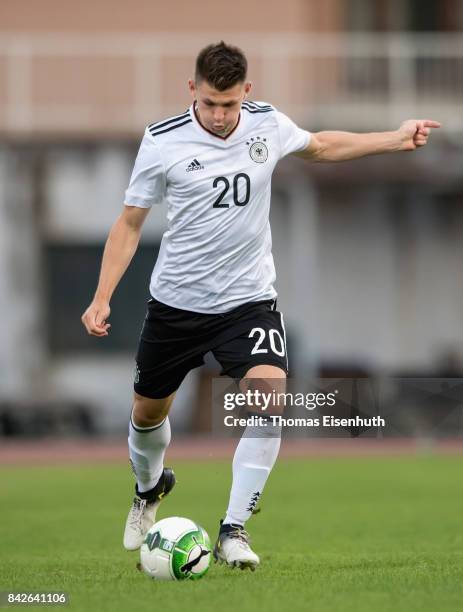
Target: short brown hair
{"x": 221, "y": 65}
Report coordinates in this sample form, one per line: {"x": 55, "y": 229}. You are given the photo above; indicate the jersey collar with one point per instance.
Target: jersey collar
{"x": 216, "y": 137}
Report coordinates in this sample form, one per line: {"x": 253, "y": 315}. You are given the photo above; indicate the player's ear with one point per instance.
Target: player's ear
{"x": 247, "y": 88}
{"x": 192, "y": 87}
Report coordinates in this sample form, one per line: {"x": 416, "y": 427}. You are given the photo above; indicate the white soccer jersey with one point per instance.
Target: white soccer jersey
{"x": 216, "y": 252}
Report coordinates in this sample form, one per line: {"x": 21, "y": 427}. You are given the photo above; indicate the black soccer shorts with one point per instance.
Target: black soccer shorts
{"x": 174, "y": 341}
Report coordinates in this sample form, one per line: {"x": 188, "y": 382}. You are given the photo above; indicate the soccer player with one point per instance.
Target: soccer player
{"x": 212, "y": 285}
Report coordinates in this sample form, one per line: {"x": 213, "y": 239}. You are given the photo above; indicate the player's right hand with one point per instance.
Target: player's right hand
{"x": 95, "y": 317}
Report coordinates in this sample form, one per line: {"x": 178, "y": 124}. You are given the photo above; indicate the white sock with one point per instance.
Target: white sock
{"x": 147, "y": 447}
{"x": 254, "y": 458}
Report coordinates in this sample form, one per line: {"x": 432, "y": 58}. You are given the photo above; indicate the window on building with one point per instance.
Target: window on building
{"x": 404, "y": 15}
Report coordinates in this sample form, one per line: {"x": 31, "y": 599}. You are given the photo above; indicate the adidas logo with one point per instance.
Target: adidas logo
{"x": 194, "y": 165}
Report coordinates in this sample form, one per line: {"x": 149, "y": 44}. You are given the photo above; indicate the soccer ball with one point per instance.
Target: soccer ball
{"x": 176, "y": 548}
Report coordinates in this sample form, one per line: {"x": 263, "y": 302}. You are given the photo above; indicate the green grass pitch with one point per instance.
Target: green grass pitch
{"x": 352, "y": 535}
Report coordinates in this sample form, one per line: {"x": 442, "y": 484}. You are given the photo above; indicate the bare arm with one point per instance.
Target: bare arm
{"x": 342, "y": 146}
{"x": 120, "y": 247}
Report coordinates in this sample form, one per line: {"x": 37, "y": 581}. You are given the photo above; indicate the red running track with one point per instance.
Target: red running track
{"x": 73, "y": 451}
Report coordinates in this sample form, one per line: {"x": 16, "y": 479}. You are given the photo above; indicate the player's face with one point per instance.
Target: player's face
{"x": 218, "y": 111}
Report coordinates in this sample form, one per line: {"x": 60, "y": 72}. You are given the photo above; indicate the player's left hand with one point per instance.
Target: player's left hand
{"x": 414, "y": 133}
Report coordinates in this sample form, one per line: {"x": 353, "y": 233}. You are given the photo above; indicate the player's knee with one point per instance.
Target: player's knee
{"x": 266, "y": 385}
{"x": 148, "y": 412}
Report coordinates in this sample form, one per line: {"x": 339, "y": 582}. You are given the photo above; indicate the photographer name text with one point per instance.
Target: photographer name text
{"x": 326, "y": 420}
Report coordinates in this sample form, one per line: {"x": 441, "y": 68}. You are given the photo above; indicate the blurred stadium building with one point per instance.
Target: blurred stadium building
{"x": 368, "y": 253}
